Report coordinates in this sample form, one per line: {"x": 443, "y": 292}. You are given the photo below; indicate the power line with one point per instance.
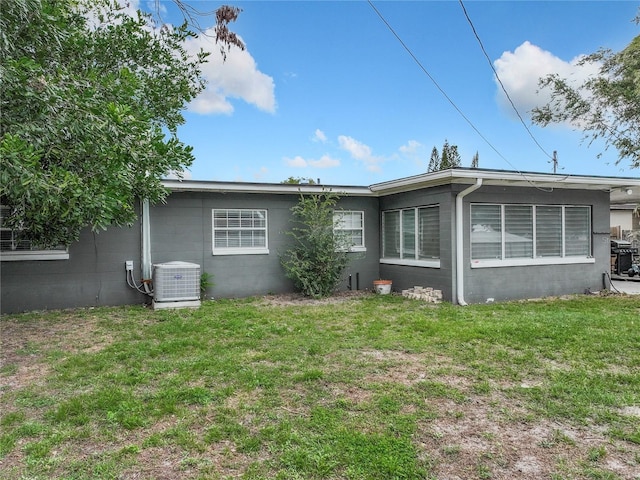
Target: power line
{"x": 433, "y": 80}
{"x": 415, "y": 59}
{"x": 500, "y": 81}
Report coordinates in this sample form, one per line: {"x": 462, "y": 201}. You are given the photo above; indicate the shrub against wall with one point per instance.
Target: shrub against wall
{"x": 319, "y": 255}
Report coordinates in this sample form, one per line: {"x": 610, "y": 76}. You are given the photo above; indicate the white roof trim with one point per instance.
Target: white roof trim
{"x": 278, "y": 188}
{"x": 499, "y": 177}
{"x": 464, "y": 176}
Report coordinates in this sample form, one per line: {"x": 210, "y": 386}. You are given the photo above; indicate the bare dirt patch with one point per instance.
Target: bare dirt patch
{"x": 484, "y": 435}
{"x": 23, "y": 344}
{"x": 494, "y": 436}
{"x": 476, "y": 440}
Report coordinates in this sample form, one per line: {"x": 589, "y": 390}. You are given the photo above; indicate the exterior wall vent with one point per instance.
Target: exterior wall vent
{"x": 176, "y": 284}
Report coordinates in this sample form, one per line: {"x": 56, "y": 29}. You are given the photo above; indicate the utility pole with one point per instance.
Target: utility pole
{"x": 555, "y": 162}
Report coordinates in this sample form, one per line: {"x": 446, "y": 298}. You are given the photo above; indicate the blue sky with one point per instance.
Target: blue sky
{"x": 325, "y": 90}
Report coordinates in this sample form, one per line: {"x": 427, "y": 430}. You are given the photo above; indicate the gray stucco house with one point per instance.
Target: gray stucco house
{"x": 475, "y": 234}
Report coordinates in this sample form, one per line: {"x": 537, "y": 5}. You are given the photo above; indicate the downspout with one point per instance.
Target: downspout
{"x": 146, "y": 246}
{"x": 460, "y": 240}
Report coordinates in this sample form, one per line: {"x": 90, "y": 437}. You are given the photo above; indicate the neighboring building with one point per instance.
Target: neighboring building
{"x": 477, "y": 235}
{"x": 625, "y": 211}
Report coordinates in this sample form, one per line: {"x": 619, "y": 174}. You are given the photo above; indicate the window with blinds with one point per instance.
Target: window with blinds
{"x": 411, "y": 236}
{"x": 239, "y": 231}
{"x": 577, "y": 228}
{"x": 549, "y": 231}
{"x": 349, "y": 224}
{"x": 518, "y": 228}
{"x": 504, "y": 232}
{"x": 428, "y": 233}
{"x": 13, "y": 246}
{"x": 391, "y": 234}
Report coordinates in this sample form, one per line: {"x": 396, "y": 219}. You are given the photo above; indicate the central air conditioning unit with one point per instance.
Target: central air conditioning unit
{"x": 176, "y": 284}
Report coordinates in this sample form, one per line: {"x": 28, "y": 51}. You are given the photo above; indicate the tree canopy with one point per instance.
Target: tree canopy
{"x": 299, "y": 180}
{"x": 91, "y": 100}
{"x": 604, "y": 107}
{"x": 450, "y": 158}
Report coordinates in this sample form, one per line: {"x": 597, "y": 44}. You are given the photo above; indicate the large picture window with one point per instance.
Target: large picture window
{"x": 14, "y": 247}
{"x": 411, "y": 236}
{"x": 350, "y": 224}
{"x": 503, "y": 235}
{"x": 239, "y": 232}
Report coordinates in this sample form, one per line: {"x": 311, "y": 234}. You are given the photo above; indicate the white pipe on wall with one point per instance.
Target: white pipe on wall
{"x": 460, "y": 240}
{"x": 146, "y": 243}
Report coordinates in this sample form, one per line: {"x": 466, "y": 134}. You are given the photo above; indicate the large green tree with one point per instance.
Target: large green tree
{"x": 91, "y": 99}
{"x": 604, "y": 107}
{"x": 449, "y": 158}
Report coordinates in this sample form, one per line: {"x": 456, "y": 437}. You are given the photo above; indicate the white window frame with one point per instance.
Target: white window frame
{"x": 262, "y": 250}
{"x": 562, "y": 259}
{"x": 15, "y": 255}
{"x": 337, "y": 227}
{"x": 412, "y": 262}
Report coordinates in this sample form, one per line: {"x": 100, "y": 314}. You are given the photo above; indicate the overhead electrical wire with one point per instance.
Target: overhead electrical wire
{"x": 433, "y": 80}
{"x": 486, "y": 55}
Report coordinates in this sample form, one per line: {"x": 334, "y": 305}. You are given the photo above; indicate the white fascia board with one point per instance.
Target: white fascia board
{"x": 442, "y": 177}
{"x": 277, "y": 188}
{"x": 500, "y": 177}
{"x": 463, "y": 176}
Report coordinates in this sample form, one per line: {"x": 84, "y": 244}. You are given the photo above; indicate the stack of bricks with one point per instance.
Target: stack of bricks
{"x": 427, "y": 294}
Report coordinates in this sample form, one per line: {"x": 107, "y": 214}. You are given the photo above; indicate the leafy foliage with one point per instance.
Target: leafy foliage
{"x": 91, "y": 101}
{"x": 299, "y": 180}
{"x": 475, "y": 161}
{"x": 450, "y": 158}
{"x": 319, "y": 255}
{"x": 434, "y": 161}
{"x": 606, "y": 106}
{"x": 206, "y": 282}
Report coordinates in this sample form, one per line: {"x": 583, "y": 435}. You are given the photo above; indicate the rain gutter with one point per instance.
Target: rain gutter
{"x": 146, "y": 244}
{"x": 460, "y": 240}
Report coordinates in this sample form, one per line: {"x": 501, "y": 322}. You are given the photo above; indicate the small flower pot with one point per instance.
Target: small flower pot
{"x": 383, "y": 287}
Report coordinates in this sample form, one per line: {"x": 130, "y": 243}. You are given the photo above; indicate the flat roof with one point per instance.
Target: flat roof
{"x": 252, "y": 187}
{"x": 506, "y": 178}
{"x": 622, "y": 189}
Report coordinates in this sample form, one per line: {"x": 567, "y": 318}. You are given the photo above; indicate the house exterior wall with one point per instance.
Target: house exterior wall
{"x": 622, "y": 219}
{"x": 94, "y": 275}
{"x": 534, "y": 281}
{"x": 181, "y": 230}
{"x": 405, "y": 277}
{"x": 505, "y": 282}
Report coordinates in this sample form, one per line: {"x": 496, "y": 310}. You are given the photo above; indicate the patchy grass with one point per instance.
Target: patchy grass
{"x": 371, "y": 387}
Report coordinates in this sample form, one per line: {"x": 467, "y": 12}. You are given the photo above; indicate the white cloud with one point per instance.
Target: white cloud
{"x": 361, "y": 152}
{"x": 410, "y": 148}
{"x": 260, "y": 174}
{"x": 237, "y": 77}
{"x": 414, "y": 151}
{"x": 319, "y": 136}
{"x": 296, "y": 162}
{"x": 521, "y": 69}
{"x": 326, "y": 161}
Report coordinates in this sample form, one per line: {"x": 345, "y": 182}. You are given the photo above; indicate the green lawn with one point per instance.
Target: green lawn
{"x": 371, "y": 387}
